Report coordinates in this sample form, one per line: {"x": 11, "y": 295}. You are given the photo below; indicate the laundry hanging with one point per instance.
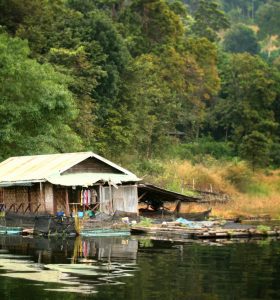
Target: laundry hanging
{"x": 88, "y": 197}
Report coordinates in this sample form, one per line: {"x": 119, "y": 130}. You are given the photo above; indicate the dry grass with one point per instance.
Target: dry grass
{"x": 241, "y": 206}
{"x": 252, "y": 193}
{"x": 181, "y": 176}
{"x": 248, "y": 206}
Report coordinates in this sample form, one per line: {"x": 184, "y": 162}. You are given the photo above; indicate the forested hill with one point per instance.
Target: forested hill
{"x": 133, "y": 78}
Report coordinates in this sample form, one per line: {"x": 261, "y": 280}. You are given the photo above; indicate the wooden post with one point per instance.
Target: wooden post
{"x": 4, "y": 202}
{"x": 15, "y": 199}
{"x": 101, "y": 200}
{"x": 111, "y": 197}
{"x": 99, "y": 196}
{"x": 67, "y": 203}
{"x": 41, "y": 196}
{"x": 29, "y": 199}
{"x": 142, "y": 196}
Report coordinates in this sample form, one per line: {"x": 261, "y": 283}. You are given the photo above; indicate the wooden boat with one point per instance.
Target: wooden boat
{"x": 195, "y": 216}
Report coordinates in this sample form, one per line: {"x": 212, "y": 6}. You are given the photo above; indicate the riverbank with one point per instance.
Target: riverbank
{"x": 252, "y": 194}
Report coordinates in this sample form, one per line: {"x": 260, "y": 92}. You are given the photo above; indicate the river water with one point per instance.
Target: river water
{"x": 138, "y": 268}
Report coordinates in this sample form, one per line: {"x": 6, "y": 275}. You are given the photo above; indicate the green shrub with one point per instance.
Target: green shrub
{"x": 145, "y": 222}
{"x": 205, "y": 146}
{"x": 275, "y": 154}
{"x": 146, "y": 243}
{"x": 257, "y": 189}
{"x": 174, "y": 185}
{"x": 239, "y": 175}
{"x": 150, "y": 167}
{"x": 263, "y": 228}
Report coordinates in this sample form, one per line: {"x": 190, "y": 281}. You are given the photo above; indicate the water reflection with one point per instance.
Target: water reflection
{"x": 138, "y": 268}
{"x": 79, "y": 265}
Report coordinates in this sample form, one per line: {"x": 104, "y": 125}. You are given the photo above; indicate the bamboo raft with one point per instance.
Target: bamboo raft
{"x": 204, "y": 233}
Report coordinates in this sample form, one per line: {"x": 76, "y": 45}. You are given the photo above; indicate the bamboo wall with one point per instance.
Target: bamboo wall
{"x": 22, "y": 199}
{"x": 52, "y": 199}
{"x": 28, "y": 199}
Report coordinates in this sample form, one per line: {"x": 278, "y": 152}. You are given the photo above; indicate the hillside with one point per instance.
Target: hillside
{"x": 139, "y": 80}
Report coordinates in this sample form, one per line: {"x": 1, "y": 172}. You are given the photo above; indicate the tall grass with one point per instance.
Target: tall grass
{"x": 251, "y": 193}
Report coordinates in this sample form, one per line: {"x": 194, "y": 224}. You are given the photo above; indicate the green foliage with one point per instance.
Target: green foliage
{"x": 268, "y": 19}
{"x": 255, "y": 147}
{"x": 145, "y": 222}
{"x": 249, "y": 90}
{"x": 148, "y": 25}
{"x": 257, "y": 189}
{"x": 209, "y": 19}
{"x": 239, "y": 175}
{"x": 149, "y": 167}
{"x": 263, "y": 228}
{"x": 146, "y": 243}
{"x": 36, "y": 107}
{"x": 205, "y": 146}
{"x": 241, "y": 38}
{"x": 123, "y": 77}
{"x": 242, "y": 10}
{"x": 275, "y": 154}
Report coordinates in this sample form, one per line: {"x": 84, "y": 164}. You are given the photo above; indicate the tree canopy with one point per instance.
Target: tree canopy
{"x": 36, "y": 108}
{"x": 241, "y": 38}
{"x": 131, "y": 78}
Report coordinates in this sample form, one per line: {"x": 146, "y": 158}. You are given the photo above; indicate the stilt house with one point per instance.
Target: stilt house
{"x": 59, "y": 182}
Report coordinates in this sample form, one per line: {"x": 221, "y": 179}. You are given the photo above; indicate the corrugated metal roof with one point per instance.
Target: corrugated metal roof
{"x": 88, "y": 179}
{"x": 151, "y": 191}
{"x": 38, "y": 168}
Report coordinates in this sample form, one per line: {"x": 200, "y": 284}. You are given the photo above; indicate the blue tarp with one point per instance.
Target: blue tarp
{"x": 194, "y": 224}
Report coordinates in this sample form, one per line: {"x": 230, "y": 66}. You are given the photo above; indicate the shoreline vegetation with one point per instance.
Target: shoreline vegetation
{"x": 252, "y": 194}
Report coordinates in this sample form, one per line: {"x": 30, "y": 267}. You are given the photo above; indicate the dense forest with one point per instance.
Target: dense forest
{"x": 137, "y": 79}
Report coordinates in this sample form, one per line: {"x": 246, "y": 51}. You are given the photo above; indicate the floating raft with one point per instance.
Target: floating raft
{"x": 11, "y": 230}
{"x": 96, "y": 228}
{"x": 104, "y": 232}
{"x": 204, "y": 233}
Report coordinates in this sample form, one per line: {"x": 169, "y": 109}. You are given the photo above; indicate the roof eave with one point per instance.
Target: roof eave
{"x": 20, "y": 182}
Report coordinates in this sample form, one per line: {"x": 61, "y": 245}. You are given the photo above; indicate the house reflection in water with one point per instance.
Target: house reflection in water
{"x": 109, "y": 248}
{"x": 71, "y": 250}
